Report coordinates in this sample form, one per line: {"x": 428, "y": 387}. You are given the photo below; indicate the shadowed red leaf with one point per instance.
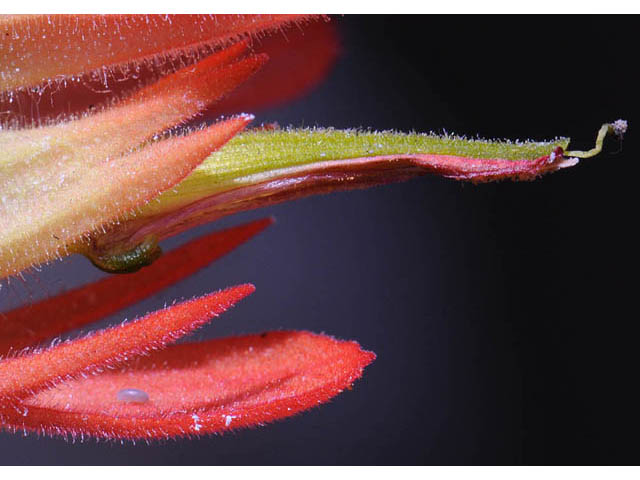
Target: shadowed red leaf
{"x": 290, "y": 73}
{"x": 31, "y": 324}
{"x": 23, "y": 376}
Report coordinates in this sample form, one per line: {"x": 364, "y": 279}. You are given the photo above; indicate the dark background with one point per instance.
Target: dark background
{"x": 503, "y": 315}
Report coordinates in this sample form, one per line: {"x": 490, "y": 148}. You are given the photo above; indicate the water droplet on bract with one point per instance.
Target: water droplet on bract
{"x": 132, "y": 395}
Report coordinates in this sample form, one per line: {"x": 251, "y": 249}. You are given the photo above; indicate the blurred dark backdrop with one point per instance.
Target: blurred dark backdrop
{"x": 503, "y": 315}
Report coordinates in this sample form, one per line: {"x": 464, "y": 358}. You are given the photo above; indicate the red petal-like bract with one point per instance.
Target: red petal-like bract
{"x": 199, "y": 388}
{"x": 31, "y": 324}
{"x": 25, "y": 375}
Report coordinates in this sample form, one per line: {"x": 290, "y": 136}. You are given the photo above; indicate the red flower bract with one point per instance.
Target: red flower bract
{"x": 200, "y": 388}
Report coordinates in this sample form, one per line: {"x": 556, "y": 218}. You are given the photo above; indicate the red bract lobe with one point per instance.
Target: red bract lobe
{"x": 195, "y": 389}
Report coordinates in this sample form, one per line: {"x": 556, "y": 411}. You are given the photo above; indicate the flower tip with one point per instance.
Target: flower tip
{"x": 263, "y": 223}
{"x": 245, "y": 290}
{"x": 222, "y": 300}
{"x": 249, "y": 117}
{"x": 567, "y": 162}
{"x": 366, "y": 357}
{"x": 243, "y": 119}
{"x": 369, "y": 356}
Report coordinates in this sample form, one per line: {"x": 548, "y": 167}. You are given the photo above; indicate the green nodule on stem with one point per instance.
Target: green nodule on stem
{"x": 125, "y": 260}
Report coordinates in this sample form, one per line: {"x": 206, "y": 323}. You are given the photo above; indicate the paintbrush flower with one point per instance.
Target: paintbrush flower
{"x": 112, "y": 181}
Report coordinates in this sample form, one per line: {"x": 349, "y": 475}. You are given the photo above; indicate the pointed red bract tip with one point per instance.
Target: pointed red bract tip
{"x": 166, "y": 103}
{"x": 298, "y": 61}
{"x": 202, "y": 388}
{"x": 23, "y": 376}
{"x": 31, "y": 324}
